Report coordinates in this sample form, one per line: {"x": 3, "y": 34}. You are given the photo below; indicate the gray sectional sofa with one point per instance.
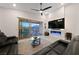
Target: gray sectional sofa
{"x": 56, "y": 48}
{"x": 61, "y": 47}
{"x": 73, "y": 47}
{"x": 8, "y": 45}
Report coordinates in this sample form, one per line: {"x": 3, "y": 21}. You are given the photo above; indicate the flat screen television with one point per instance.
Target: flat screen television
{"x": 56, "y": 24}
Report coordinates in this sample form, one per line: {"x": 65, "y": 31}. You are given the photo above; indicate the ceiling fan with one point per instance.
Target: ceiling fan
{"x": 42, "y": 9}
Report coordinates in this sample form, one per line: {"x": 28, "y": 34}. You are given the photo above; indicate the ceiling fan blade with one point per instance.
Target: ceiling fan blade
{"x": 47, "y": 8}
{"x": 41, "y": 6}
{"x": 35, "y": 9}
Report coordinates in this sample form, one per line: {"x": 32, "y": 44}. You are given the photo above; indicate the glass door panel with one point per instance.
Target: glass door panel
{"x": 24, "y": 31}
{"x": 35, "y": 31}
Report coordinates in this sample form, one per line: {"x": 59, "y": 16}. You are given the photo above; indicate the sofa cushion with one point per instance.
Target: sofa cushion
{"x": 13, "y": 49}
{"x": 56, "y": 48}
{"x": 4, "y": 50}
{"x": 59, "y": 48}
{"x": 52, "y": 52}
{"x": 44, "y": 51}
{"x": 73, "y": 48}
{"x": 3, "y": 37}
{"x": 8, "y": 42}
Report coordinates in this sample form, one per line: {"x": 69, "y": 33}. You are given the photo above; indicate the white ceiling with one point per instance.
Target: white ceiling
{"x": 28, "y": 6}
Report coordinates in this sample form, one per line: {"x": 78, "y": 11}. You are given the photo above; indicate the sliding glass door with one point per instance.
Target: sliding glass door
{"x": 24, "y": 29}
{"x": 28, "y": 29}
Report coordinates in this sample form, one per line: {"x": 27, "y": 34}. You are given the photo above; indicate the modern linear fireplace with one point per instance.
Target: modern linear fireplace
{"x": 56, "y": 33}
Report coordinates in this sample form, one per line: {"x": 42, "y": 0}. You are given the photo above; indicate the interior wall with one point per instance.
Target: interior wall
{"x": 0, "y": 24}
{"x": 9, "y": 20}
{"x": 58, "y": 13}
{"x": 72, "y": 18}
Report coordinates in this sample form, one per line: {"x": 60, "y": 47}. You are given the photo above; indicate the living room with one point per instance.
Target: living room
{"x": 13, "y": 14}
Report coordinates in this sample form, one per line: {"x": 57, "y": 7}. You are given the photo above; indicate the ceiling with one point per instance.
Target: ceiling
{"x": 28, "y": 6}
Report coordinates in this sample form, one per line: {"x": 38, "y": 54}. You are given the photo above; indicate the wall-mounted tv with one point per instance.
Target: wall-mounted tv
{"x": 57, "y": 24}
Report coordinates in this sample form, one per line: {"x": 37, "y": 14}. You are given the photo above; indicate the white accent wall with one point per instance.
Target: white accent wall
{"x": 58, "y": 14}
{"x": 71, "y": 14}
{"x": 72, "y": 18}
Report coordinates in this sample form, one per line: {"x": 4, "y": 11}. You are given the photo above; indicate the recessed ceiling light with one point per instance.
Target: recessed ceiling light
{"x": 14, "y": 5}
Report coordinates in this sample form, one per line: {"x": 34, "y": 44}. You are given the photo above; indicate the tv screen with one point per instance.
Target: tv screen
{"x": 56, "y": 24}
